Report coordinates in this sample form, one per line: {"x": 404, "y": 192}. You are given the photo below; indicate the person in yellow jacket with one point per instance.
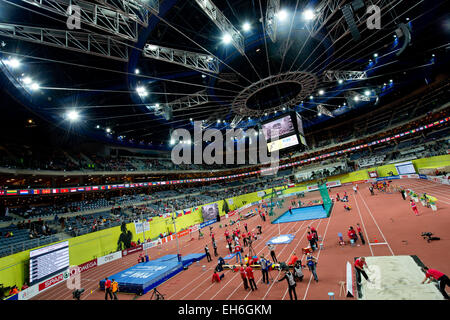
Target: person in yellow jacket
{"x": 115, "y": 288}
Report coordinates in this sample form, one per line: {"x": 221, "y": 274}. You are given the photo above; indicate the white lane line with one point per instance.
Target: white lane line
{"x": 379, "y": 243}
{"x": 364, "y": 226}
{"x": 381, "y": 232}
{"x": 323, "y": 239}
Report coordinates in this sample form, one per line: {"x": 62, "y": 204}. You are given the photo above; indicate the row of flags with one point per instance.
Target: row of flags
{"x": 146, "y": 184}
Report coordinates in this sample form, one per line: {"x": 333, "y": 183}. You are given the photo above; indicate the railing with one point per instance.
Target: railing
{"x": 6, "y": 250}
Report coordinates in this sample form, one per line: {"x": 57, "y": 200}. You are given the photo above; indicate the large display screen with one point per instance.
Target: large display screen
{"x": 210, "y": 211}
{"x": 48, "y": 261}
{"x": 283, "y": 143}
{"x": 279, "y": 127}
{"x": 405, "y": 168}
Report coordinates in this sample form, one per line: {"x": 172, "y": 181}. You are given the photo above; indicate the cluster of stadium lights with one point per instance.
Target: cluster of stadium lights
{"x": 15, "y": 63}
{"x": 281, "y": 16}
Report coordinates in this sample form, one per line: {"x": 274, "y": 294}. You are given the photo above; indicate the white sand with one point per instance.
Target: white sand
{"x": 396, "y": 278}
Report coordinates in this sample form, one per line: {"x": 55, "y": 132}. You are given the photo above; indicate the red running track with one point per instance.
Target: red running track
{"x": 387, "y": 221}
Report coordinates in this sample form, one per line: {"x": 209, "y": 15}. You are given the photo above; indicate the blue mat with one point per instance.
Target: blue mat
{"x": 300, "y": 214}
{"x": 281, "y": 239}
{"x": 143, "y": 277}
{"x": 230, "y": 256}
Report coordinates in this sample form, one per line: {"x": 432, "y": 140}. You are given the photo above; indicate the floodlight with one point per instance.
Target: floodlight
{"x": 226, "y": 38}
{"x": 308, "y": 14}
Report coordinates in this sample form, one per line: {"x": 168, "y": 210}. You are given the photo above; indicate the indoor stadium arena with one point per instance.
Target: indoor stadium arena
{"x": 224, "y": 150}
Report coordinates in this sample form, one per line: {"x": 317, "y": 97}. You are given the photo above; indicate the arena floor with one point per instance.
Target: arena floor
{"x": 387, "y": 221}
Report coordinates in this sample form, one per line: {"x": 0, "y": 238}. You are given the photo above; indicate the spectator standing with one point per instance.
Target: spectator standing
{"x": 311, "y": 262}
{"x": 272, "y": 252}
{"x": 358, "y": 227}
{"x": 243, "y": 276}
{"x": 108, "y": 289}
{"x": 291, "y": 284}
{"x": 251, "y": 278}
{"x": 208, "y": 256}
{"x": 264, "y": 269}
{"x": 115, "y": 288}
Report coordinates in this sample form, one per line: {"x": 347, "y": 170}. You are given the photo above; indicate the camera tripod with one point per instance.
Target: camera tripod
{"x": 156, "y": 295}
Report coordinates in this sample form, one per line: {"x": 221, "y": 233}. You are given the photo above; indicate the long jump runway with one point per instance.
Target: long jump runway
{"x": 389, "y": 226}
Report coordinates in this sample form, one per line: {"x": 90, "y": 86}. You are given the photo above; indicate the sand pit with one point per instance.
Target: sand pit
{"x": 396, "y": 278}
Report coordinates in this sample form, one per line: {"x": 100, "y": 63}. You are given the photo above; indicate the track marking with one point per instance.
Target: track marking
{"x": 301, "y": 259}
{"x": 378, "y": 243}
{"x": 274, "y": 232}
{"x": 381, "y": 232}
{"x": 323, "y": 239}
{"x": 362, "y": 221}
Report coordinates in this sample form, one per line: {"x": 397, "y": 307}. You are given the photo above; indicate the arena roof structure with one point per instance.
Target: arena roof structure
{"x": 130, "y": 72}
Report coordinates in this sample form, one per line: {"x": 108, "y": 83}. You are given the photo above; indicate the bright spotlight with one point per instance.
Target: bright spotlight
{"x": 12, "y": 62}
{"x": 73, "y": 115}
{"x": 340, "y": 81}
{"x": 375, "y": 55}
{"x": 34, "y": 86}
{"x": 203, "y": 76}
{"x": 356, "y": 98}
{"x": 311, "y": 97}
{"x": 218, "y": 121}
{"x": 27, "y": 80}
{"x": 308, "y": 14}
{"x": 108, "y": 130}
{"x": 321, "y": 92}
{"x": 246, "y": 26}
{"x": 319, "y": 114}
{"x": 153, "y": 47}
{"x": 227, "y": 38}
{"x": 142, "y": 92}
{"x": 367, "y": 93}
{"x": 172, "y": 142}
{"x": 190, "y": 119}
{"x": 136, "y": 71}
{"x": 98, "y": 127}
{"x": 282, "y": 15}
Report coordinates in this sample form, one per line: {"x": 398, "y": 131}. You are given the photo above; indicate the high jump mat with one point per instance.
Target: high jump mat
{"x": 145, "y": 276}
{"x": 303, "y": 213}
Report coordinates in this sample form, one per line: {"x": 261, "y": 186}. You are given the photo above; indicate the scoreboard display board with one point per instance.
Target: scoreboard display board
{"x": 48, "y": 261}
{"x": 284, "y": 132}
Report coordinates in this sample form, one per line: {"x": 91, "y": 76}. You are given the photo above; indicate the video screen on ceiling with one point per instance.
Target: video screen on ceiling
{"x": 282, "y": 143}
{"x": 281, "y": 127}
{"x": 210, "y": 211}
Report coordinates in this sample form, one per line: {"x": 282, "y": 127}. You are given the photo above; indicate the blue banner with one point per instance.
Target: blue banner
{"x": 423, "y": 176}
{"x": 388, "y": 178}
{"x": 207, "y": 223}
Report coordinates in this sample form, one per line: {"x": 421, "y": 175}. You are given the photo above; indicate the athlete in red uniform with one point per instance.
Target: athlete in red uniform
{"x": 414, "y": 207}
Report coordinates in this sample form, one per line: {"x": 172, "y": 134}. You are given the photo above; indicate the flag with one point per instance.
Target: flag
{"x": 186, "y": 211}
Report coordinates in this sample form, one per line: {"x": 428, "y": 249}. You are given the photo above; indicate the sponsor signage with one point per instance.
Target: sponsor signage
{"x": 52, "y": 281}
{"x": 207, "y": 223}
{"x": 131, "y": 250}
{"x": 108, "y": 258}
{"x": 88, "y": 265}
